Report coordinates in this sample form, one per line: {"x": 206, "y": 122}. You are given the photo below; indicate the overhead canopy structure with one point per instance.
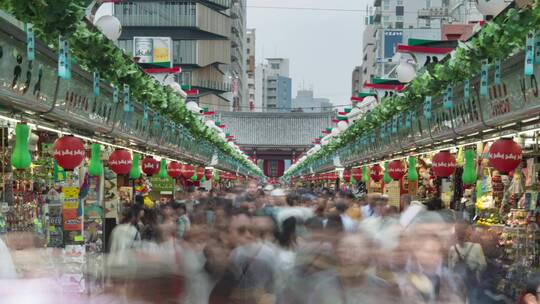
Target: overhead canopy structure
{"x": 276, "y": 130}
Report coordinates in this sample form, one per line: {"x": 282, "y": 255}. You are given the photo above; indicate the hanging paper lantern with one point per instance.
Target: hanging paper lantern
{"x": 95, "y": 168}
{"x": 135, "y": 171}
{"x": 386, "y": 178}
{"x": 120, "y": 161}
{"x": 20, "y": 157}
{"x": 469, "y": 169}
{"x": 491, "y": 7}
{"x": 347, "y": 175}
{"x": 376, "y": 173}
{"x": 163, "y": 168}
{"x": 505, "y": 155}
{"x": 150, "y": 166}
{"x": 443, "y": 164}
{"x": 365, "y": 174}
{"x": 174, "y": 169}
{"x": 412, "y": 176}
{"x": 69, "y": 152}
{"x": 187, "y": 171}
{"x": 405, "y": 72}
{"x": 208, "y": 174}
{"x": 110, "y": 26}
{"x": 357, "y": 174}
{"x": 396, "y": 170}
{"x": 200, "y": 172}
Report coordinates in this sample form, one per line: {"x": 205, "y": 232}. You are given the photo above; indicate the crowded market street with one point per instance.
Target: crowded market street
{"x": 149, "y": 156}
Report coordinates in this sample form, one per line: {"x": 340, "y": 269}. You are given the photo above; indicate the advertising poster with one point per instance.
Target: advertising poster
{"x": 70, "y": 204}
{"x": 153, "y": 52}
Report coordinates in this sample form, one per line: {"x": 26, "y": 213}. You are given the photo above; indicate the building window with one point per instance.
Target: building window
{"x": 428, "y": 23}
{"x": 399, "y": 25}
{"x": 386, "y": 18}
{"x": 428, "y": 3}
{"x": 386, "y": 4}
{"x": 400, "y": 10}
{"x": 248, "y": 40}
{"x": 399, "y": 18}
{"x": 399, "y": 2}
{"x": 275, "y": 66}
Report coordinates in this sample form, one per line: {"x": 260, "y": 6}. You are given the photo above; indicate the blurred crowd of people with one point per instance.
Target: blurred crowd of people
{"x": 294, "y": 246}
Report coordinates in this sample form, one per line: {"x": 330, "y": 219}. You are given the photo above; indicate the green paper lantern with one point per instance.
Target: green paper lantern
{"x": 365, "y": 174}
{"x": 217, "y": 177}
{"x": 469, "y": 176}
{"x": 413, "y": 174}
{"x": 203, "y": 179}
{"x": 95, "y": 168}
{"x": 135, "y": 171}
{"x": 386, "y": 178}
{"x": 352, "y": 180}
{"x": 163, "y": 168}
{"x": 21, "y": 158}
{"x": 59, "y": 174}
{"x": 194, "y": 177}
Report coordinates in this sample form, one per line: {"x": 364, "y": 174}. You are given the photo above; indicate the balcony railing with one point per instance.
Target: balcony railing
{"x": 72, "y": 104}
{"x": 211, "y": 84}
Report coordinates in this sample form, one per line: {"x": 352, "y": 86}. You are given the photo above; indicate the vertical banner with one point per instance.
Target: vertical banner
{"x": 466, "y": 90}
{"x": 497, "y": 76}
{"x": 529, "y": 54}
{"x": 96, "y": 83}
{"x": 115, "y": 94}
{"x": 62, "y": 58}
{"x": 537, "y": 50}
{"x": 484, "y": 78}
{"x": 449, "y": 96}
{"x": 427, "y": 108}
{"x": 30, "y": 42}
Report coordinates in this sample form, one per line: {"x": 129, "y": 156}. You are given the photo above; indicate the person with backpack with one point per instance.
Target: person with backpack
{"x": 467, "y": 260}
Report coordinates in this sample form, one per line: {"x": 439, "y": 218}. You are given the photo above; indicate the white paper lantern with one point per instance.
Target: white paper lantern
{"x": 368, "y": 100}
{"x": 342, "y": 125}
{"x": 317, "y": 147}
{"x": 210, "y": 123}
{"x": 193, "y": 107}
{"x": 491, "y": 7}
{"x": 175, "y": 86}
{"x": 335, "y": 132}
{"x": 405, "y": 72}
{"x": 222, "y": 135}
{"x": 110, "y": 26}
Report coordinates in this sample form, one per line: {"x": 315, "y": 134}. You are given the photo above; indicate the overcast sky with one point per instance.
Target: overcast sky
{"x": 323, "y": 46}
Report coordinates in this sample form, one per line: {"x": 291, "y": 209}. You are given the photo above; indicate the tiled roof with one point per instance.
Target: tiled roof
{"x": 276, "y": 129}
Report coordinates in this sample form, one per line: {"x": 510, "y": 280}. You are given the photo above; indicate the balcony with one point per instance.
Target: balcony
{"x": 219, "y": 4}
{"x": 211, "y": 85}
{"x": 209, "y": 78}
{"x": 173, "y": 14}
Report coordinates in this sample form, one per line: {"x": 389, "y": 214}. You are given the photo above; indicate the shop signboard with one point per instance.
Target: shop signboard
{"x": 162, "y": 185}
{"x": 391, "y": 39}
{"x": 153, "y": 52}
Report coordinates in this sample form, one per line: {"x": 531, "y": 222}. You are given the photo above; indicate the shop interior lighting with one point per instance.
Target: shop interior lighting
{"x": 60, "y": 132}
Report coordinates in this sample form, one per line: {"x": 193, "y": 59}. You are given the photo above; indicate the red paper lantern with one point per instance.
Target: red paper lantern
{"x": 187, "y": 171}
{"x": 174, "y": 169}
{"x": 69, "y": 152}
{"x": 347, "y": 175}
{"x": 208, "y": 174}
{"x": 150, "y": 166}
{"x": 357, "y": 174}
{"x": 505, "y": 155}
{"x": 376, "y": 173}
{"x": 200, "y": 172}
{"x": 120, "y": 161}
{"x": 443, "y": 164}
{"x": 396, "y": 170}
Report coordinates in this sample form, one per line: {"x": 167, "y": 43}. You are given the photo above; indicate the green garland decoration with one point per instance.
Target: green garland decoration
{"x": 499, "y": 38}
{"x": 386, "y": 178}
{"x": 52, "y": 18}
{"x": 412, "y": 174}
